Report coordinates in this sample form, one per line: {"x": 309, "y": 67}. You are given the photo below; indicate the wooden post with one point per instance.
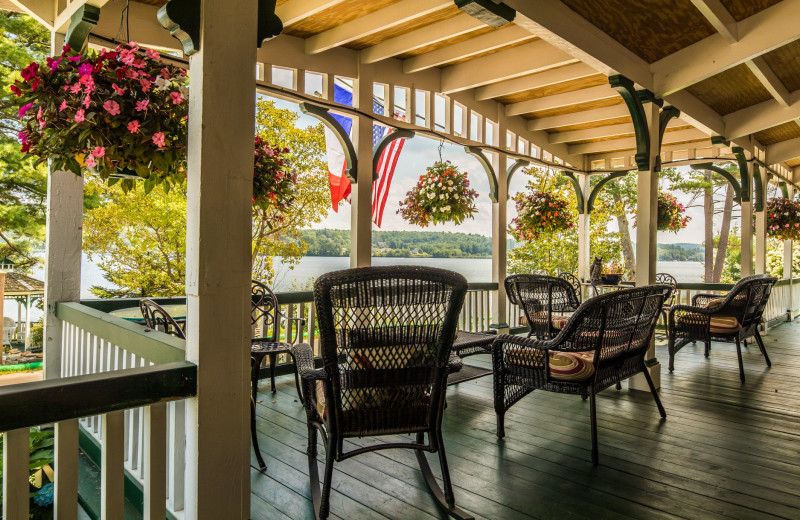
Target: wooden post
{"x": 584, "y": 222}
{"x": 16, "y": 489}
{"x": 218, "y": 236}
{"x": 2, "y": 310}
{"x": 361, "y": 196}
{"x": 646, "y": 231}
{"x": 787, "y": 249}
{"x": 28, "y": 322}
{"x": 499, "y": 243}
{"x": 747, "y": 235}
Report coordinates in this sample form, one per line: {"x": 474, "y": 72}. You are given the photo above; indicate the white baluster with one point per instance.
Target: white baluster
{"x": 16, "y": 474}
{"x": 66, "y": 470}
{"x": 112, "y": 476}
{"x": 154, "y": 449}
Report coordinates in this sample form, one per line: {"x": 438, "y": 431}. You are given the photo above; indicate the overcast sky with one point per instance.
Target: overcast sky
{"x": 420, "y": 152}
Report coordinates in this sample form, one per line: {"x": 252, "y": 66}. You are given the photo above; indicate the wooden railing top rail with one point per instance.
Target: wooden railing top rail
{"x": 151, "y": 345}
{"x": 43, "y": 402}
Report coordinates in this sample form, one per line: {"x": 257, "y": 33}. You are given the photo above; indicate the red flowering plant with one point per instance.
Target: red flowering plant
{"x": 114, "y": 112}
{"x": 274, "y": 187}
{"x": 783, "y": 219}
{"x": 671, "y": 214}
{"x": 442, "y": 194}
{"x": 541, "y": 209}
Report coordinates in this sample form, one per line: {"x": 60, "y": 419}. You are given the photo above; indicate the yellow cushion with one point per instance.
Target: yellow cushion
{"x": 540, "y": 318}
{"x": 724, "y": 324}
{"x": 714, "y": 304}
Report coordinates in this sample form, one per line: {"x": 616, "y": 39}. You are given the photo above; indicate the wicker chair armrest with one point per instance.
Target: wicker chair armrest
{"x": 304, "y": 359}
{"x": 454, "y": 364}
{"x": 506, "y": 342}
{"x": 683, "y": 309}
{"x": 703, "y": 298}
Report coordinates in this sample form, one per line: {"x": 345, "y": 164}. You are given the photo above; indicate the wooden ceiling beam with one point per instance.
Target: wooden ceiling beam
{"x": 761, "y": 116}
{"x": 486, "y": 42}
{"x": 601, "y": 132}
{"x": 630, "y": 142}
{"x": 704, "y": 143}
{"x": 783, "y": 151}
{"x": 376, "y": 21}
{"x": 43, "y": 11}
{"x": 579, "y": 118}
{"x": 298, "y": 10}
{"x": 503, "y": 65}
{"x": 434, "y": 33}
{"x": 758, "y": 66}
{"x": 767, "y": 30}
{"x": 719, "y": 18}
{"x": 561, "y": 100}
{"x": 539, "y": 80}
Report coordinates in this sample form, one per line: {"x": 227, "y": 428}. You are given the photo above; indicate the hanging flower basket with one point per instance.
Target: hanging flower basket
{"x": 441, "y": 195}
{"x": 540, "y": 212}
{"x": 274, "y": 187}
{"x": 117, "y": 113}
{"x": 671, "y": 214}
{"x": 783, "y": 219}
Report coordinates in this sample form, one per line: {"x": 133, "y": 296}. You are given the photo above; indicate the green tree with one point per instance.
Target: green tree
{"x": 23, "y": 187}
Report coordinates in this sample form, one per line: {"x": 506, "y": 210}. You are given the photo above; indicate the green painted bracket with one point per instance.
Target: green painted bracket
{"x": 182, "y": 19}
{"x": 784, "y": 189}
{"x": 477, "y": 152}
{"x": 664, "y": 117}
{"x": 758, "y": 204}
{"x": 718, "y": 140}
{"x": 381, "y": 145}
{"x": 737, "y": 188}
{"x": 645, "y": 96}
{"x": 269, "y": 25}
{"x": 744, "y": 172}
{"x": 599, "y": 186}
{"x": 625, "y": 88}
{"x": 519, "y": 163}
{"x": 328, "y": 120}
{"x": 578, "y": 191}
{"x": 80, "y": 25}
{"x": 491, "y": 13}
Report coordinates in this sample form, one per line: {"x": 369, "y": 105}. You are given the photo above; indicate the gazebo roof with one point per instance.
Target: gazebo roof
{"x": 18, "y": 284}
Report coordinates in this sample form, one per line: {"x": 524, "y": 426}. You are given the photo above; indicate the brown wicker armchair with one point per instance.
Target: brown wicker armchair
{"x": 711, "y": 317}
{"x": 603, "y": 343}
{"x": 386, "y": 335}
{"x": 544, "y": 300}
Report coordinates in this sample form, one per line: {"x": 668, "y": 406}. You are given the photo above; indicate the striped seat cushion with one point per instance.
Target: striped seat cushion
{"x": 564, "y": 366}
{"x": 724, "y": 324}
{"x": 540, "y": 318}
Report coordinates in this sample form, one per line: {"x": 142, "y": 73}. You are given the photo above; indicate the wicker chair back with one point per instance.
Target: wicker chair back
{"x": 540, "y": 296}
{"x": 748, "y": 300}
{"x": 386, "y": 335}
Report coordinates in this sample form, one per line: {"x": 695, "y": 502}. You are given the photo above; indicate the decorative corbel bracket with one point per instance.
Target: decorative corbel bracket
{"x": 578, "y": 191}
{"x": 625, "y": 88}
{"x": 518, "y": 164}
{"x": 667, "y": 113}
{"x": 737, "y": 188}
{"x": 328, "y": 120}
{"x": 269, "y": 25}
{"x": 784, "y": 189}
{"x": 381, "y": 145}
{"x": 744, "y": 172}
{"x": 599, "y": 186}
{"x": 760, "y": 185}
{"x": 182, "y": 19}
{"x": 491, "y": 13}
{"x": 81, "y": 24}
{"x": 477, "y": 152}
{"x": 718, "y": 140}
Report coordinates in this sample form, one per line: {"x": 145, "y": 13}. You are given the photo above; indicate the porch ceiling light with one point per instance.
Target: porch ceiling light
{"x": 488, "y": 12}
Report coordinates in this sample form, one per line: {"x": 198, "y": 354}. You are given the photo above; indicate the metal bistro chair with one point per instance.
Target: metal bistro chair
{"x": 604, "y": 342}
{"x": 386, "y": 335}
{"x": 667, "y": 279}
{"x": 575, "y": 283}
{"x": 732, "y": 318}
{"x": 544, "y": 300}
{"x": 266, "y": 318}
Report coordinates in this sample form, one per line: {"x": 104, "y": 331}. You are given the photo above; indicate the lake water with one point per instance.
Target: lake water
{"x": 311, "y": 267}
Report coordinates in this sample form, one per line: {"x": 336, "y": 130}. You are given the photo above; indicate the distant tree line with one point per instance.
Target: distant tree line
{"x": 679, "y": 252}
{"x": 336, "y": 242}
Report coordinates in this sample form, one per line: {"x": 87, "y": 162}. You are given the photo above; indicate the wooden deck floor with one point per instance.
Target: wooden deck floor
{"x": 726, "y": 450}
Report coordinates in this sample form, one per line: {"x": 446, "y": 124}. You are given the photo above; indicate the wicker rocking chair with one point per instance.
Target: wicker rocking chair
{"x": 544, "y": 300}
{"x": 604, "y": 342}
{"x": 734, "y": 318}
{"x": 386, "y": 336}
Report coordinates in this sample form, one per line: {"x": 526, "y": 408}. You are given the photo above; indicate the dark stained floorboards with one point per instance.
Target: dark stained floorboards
{"x": 726, "y": 450}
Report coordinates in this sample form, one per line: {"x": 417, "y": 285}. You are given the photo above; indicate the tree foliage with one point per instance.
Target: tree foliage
{"x": 23, "y": 186}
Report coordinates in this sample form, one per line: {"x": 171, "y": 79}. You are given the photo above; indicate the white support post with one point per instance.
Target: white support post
{"x": 499, "y": 243}
{"x": 62, "y": 278}
{"x": 787, "y": 248}
{"x": 65, "y": 502}
{"x": 155, "y": 459}
{"x": 361, "y": 196}
{"x": 584, "y": 222}
{"x": 646, "y": 231}
{"x": 747, "y": 235}
{"x": 16, "y": 488}
{"x": 28, "y": 322}
{"x": 218, "y": 270}
{"x": 112, "y": 465}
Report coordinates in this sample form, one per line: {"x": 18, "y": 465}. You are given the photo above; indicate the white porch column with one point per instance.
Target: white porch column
{"x": 746, "y": 209}
{"x": 218, "y": 235}
{"x": 584, "y": 223}
{"x": 28, "y": 322}
{"x": 646, "y": 231}
{"x": 500, "y": 241}
{"x": 62, "y": 276}
{"x": 787, "y": 247}
{"x": 361, "y": 196}
{"x": 761, "y": 231}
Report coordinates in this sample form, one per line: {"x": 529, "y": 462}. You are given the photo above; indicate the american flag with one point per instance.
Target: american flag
{"x": 339, "y": 183}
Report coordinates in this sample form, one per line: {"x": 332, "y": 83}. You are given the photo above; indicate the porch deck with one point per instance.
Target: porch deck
{"x": 726, "y": 450}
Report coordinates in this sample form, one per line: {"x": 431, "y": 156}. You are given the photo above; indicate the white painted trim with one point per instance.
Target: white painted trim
{"x": 692, "y": 148}
{"x": 783, "y": 151}
{"x": 65, "y": 501}
{"x": 298, "y": 10}
{"x": 577, "y": 118}
{"x": 16, "y": 488}
{"x": 597, "y": 93}
{"x": 542, "y": 79}
{"x": 376, "y": 21}
{"x": 603, "y": 131}
{"x": 43, "y": 11}
{"x": 630, "y": 142}
{"x": 154, "y": 461}
{"x": 112, "y": 468}
{"x": 719, "y": 18}
{"x": 760, "y": 117}
{"x": 762, "y": 71}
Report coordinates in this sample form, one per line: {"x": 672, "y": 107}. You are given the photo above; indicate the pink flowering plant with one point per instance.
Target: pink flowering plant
{"x": 117, "y": 112}
{"x": 541, "y": 209}
{"x": 442, "y": 194}
{"x": 274, "y": 186}
{"x": 671, "y": 214}
{"x": 783, "y": 219}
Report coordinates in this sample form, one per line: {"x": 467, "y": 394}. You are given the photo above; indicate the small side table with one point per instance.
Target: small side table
{"x": 469, "y": 344}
